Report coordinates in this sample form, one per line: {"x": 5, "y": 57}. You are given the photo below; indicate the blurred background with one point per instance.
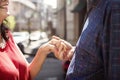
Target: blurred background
{"x": 33, "y": 22}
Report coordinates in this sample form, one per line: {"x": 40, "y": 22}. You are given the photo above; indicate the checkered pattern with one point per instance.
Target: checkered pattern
{"x": 97, "y": 54}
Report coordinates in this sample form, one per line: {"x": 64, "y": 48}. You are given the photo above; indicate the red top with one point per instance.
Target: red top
{"x": 13, "y": 65}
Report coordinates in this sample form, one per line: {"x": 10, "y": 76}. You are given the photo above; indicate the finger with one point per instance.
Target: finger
{"x": 55, "y": 37}
{"x": 54, "y": 41}
{"x": 55, "y": 51}
{"x": 62, "y": 51}
{"x": 58, "y": 44}
{"x": 68, "y": 45}
{"x": 53, "y": 48}
{"x": 61, "y": 57}
{"x": 61, "y": 47}
{"x": 58, "y": 56}
{"x": 70, "y": 54}
{"x": 65, "y": 55}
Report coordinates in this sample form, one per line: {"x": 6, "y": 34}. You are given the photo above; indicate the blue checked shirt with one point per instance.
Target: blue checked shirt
{"x": 97, "y": 53}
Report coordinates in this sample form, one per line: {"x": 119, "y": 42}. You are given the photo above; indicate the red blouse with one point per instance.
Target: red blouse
{"x": 13, "y": 65}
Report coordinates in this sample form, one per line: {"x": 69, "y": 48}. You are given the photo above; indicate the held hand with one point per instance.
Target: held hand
{"x": 70, "y": 54}
{"x": 64, "y": 48}
{"x": 68, "y": 45}
{"x": 58, "y": 46}
{"x": 47, "y": 48}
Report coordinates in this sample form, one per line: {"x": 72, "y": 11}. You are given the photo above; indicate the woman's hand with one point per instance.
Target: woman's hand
{"x": 47, "y": 48}
{"x": 39, "y": 59}
{"x": 64, "y": 49}
{"x": 61, "y": 49}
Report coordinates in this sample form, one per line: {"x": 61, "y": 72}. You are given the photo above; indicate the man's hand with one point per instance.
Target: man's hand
{"x": 64, "y": 48}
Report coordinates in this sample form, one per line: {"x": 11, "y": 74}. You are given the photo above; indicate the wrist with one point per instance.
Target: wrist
{"x": 41, "y": 52}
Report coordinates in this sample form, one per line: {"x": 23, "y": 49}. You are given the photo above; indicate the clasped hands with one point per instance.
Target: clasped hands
{"x": 62, "y": 50}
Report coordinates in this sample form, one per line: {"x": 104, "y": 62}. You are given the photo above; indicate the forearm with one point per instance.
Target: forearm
{"x": 37, "y": 62}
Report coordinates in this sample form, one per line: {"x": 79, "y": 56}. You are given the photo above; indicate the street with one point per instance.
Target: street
{"x": 51, "y": 70}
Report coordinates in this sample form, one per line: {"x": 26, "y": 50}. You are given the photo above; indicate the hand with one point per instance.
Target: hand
{"x": 47, "y": 48}
{"x": 64, "y": 49}
{"x": 59, "y": 47}
{"x": 70, "y": 54}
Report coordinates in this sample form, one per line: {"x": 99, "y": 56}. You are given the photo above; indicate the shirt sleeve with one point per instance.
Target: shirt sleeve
{"x": 87, "y": 62}
{"x": 85, "y": 66}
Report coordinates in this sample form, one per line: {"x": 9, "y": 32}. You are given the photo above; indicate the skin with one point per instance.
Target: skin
{"x": 36, "y": 64}
{"x": 59, "y": 47}
{"x": 65, "y": 49}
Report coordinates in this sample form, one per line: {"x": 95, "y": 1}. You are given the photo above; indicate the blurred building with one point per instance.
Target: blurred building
{"x": 26, "y": 14}
{"x": 70, "y": 19}
{"x": 31, "y": 14}
{"x": 78, "y": 9}
{"x": 67, "y": 19}
{"x": 61, "y": 19}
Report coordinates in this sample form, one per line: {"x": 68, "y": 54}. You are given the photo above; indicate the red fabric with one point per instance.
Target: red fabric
{"x": 13, "y": 65}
